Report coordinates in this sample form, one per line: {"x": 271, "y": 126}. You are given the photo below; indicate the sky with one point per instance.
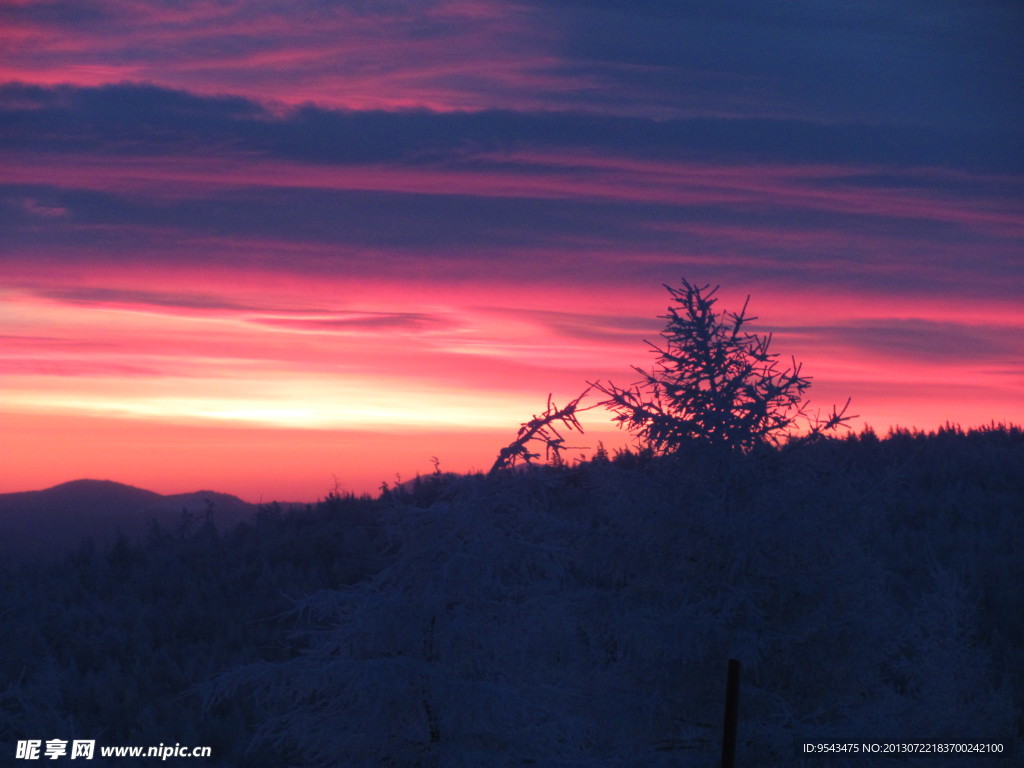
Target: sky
{"x": 278, "y": 249}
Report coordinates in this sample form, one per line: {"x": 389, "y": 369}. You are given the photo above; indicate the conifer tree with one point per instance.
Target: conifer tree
{"x": 714, "y": 382}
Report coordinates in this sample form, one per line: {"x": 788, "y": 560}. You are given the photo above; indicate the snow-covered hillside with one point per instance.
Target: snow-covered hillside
{"x": 578, "y": 616}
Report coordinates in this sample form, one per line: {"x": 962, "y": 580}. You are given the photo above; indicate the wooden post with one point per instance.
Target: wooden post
{"x": 732, "y": 705}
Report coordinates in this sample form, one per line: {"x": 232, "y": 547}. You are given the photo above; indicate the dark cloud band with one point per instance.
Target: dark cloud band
{"x": 145, "y": 120}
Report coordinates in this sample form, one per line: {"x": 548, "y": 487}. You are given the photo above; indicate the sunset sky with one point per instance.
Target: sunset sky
{"x": 267, "y": 246}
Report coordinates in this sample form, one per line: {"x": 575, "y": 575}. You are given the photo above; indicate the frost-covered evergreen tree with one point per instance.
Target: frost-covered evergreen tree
{"x": 714, "y": 382}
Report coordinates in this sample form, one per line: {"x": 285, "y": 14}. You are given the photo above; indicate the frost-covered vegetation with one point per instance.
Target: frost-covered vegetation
{"x": 578, "y": 616}
{"x": 715, "y": 382}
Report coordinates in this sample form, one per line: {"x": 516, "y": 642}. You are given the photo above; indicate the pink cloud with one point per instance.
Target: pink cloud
{"x": 450, "y": 55}
{"x": 768, "y": 189}
{"x": 42, "y": 210}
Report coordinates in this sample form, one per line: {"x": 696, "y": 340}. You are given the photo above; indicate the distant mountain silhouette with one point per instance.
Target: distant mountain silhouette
{"x": 39, "y": 524}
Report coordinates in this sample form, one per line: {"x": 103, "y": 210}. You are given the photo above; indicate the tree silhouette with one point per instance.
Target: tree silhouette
{"x": 543, "y": 429}
{"x": 714, "y": 383}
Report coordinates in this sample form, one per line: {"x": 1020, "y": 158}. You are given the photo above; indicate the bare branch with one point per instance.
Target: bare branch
{"x": 543, "y": 428}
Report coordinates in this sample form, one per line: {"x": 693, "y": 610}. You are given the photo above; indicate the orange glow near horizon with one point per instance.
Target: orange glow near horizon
{"x": 380, "y": 386}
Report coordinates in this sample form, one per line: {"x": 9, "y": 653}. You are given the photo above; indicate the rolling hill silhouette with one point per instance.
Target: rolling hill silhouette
{"x": 40, "y": 524}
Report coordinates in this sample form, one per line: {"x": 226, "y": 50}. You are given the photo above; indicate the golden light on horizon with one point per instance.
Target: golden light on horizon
{"x": 326, "y": 404}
